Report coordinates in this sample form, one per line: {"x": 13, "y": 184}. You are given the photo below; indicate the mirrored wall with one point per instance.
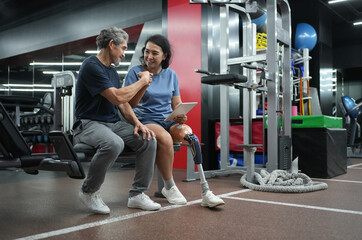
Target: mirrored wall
{"x": 30, "y": 74}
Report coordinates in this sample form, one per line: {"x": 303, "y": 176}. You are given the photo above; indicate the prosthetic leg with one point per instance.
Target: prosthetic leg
{"x": 208, "y": 198}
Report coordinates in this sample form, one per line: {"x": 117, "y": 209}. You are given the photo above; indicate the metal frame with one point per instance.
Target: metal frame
{"x": 64, "y": 104}
{"x": 279, "y": 40}
{"x": 279, "y": 37}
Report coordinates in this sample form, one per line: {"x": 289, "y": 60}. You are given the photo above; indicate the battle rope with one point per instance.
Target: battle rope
{"x": 282, "y": 181}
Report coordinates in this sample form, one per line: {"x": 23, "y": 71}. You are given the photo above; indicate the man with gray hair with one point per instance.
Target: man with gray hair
{"x": 99, "y": 96}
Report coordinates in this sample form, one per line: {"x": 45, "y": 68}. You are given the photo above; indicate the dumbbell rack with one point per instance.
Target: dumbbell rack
{"x": 279, "y": 87}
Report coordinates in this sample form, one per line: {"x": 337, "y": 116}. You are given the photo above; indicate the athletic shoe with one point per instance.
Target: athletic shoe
{"x": 210, "y": 200}
{"x": 174, "y": 196}
{"x": 94, "y": 202}
{"x": 143, "y": 202}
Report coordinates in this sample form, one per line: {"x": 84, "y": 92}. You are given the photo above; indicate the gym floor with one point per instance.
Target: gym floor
{"x": 47, "y": 206}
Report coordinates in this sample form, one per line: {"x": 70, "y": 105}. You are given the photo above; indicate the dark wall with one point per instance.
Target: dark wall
{"x": 298, "y": 10}
{"x": 339, "y": 46}
{"x": 338, "y": 41}
{"x": 347, "y": 41}
{"x": 74, "y": 24}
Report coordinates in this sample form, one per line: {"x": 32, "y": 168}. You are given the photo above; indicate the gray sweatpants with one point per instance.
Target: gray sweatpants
{"x": 109, "y": 139}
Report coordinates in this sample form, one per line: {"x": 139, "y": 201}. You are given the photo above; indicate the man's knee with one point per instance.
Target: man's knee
{"x": 115, "y": 146}
{"x": 149, "y": 145}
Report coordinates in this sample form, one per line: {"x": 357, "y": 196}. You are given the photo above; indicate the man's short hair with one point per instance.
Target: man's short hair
{"x": 118, "y": 36}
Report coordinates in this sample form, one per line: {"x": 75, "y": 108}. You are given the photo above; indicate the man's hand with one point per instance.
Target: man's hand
{"x": 145, "y": 131}
{"x": 145, "y": 76}
{"x": 181, "y": 118}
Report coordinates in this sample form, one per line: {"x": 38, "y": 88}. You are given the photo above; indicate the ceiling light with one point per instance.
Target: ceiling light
{"x": 357, "y": 23}
{"x": 67, "y": 64}
{"x": 336, "y": 1}
{"x": 55, "y": 64}
{"x": 26, "y": 85}
{"x": 97, "y": 51}
{"x": 51, "y": 72}
{"x": 30, "y": 90}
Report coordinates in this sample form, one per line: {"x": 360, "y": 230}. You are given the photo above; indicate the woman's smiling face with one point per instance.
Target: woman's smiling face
{"x": 153, "y": 57}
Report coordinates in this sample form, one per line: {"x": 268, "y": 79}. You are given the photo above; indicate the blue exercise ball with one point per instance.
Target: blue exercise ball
{"x": 259, "y": 21}
{"x": 349, "y": 103}
{"x": 305, "y": 36}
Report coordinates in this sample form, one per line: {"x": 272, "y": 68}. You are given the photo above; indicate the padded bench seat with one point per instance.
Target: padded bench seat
{"x": 224, "y": 79}
{"x": 89, "y": 151}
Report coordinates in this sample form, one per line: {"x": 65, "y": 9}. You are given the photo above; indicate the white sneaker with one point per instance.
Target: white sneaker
{"x": 143, "y": 202}
{"x": 94, "y": 202}
{"x": 210, "y": 200}
{"x": 174, "y": 196}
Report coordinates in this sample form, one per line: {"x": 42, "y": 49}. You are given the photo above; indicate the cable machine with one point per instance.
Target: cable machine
{"x": 276, "y": 83}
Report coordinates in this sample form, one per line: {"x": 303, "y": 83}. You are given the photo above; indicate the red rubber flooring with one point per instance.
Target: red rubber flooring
{"x": 46, "y": 207}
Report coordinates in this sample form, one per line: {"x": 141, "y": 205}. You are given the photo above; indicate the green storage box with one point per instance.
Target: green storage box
{"x": 313, "y": 121}
{"x": 316, "y": 121}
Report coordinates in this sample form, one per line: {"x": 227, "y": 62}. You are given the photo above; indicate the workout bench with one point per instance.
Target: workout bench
{"x": 127, "y": 155}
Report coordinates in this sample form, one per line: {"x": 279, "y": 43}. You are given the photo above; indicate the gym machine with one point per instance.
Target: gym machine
{"x": 351, "y": 110}
{"x": 275, "y": 62}
{"x": 15, "y": 152}
{"x": 63, "y": 101}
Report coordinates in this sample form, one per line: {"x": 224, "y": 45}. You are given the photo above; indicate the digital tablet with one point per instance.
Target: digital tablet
{"x": 183, "y": 108}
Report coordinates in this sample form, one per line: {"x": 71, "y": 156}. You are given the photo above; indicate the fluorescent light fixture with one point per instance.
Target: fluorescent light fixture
{"x": 26, "y": 85}
{"x": 67, "y": 64}
{"x": 51, "y": 72}
{"x": 336, "y": 1}
{"x": 30, "y": 90}
{"x": 55, "y": 72}
{"x": 97, "y": 51}
{"x": 357, "y": 23}
{"x": 55, "y": 64}
{"x": 92, "y": 51}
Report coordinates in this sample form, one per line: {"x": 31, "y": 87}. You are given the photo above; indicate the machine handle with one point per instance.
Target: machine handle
{"x": 204, "y": 72}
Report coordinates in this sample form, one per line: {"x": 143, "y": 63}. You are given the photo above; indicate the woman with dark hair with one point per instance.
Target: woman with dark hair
{"x": 154, "y": 103}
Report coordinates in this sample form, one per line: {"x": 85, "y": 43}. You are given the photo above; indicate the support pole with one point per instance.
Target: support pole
{"x": 224, "y": 90}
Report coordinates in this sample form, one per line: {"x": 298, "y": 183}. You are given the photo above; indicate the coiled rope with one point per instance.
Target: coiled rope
{"x": 283, "y": 181}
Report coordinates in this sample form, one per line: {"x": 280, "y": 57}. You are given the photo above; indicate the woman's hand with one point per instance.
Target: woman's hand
{"x": 181, "y": 118}
{"x": 146, "y": 132}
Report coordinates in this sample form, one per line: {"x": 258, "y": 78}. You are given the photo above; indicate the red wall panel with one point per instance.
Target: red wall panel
{"x": 184, "y": 34}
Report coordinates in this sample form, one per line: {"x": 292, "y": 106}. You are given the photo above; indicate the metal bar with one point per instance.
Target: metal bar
{"x": 272, "y": 138}
{"x": 224, "y": 90}
{"x": 248, "y": 105}
{"x": 287, "y": 79}
{"x": 247, "y": 59}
